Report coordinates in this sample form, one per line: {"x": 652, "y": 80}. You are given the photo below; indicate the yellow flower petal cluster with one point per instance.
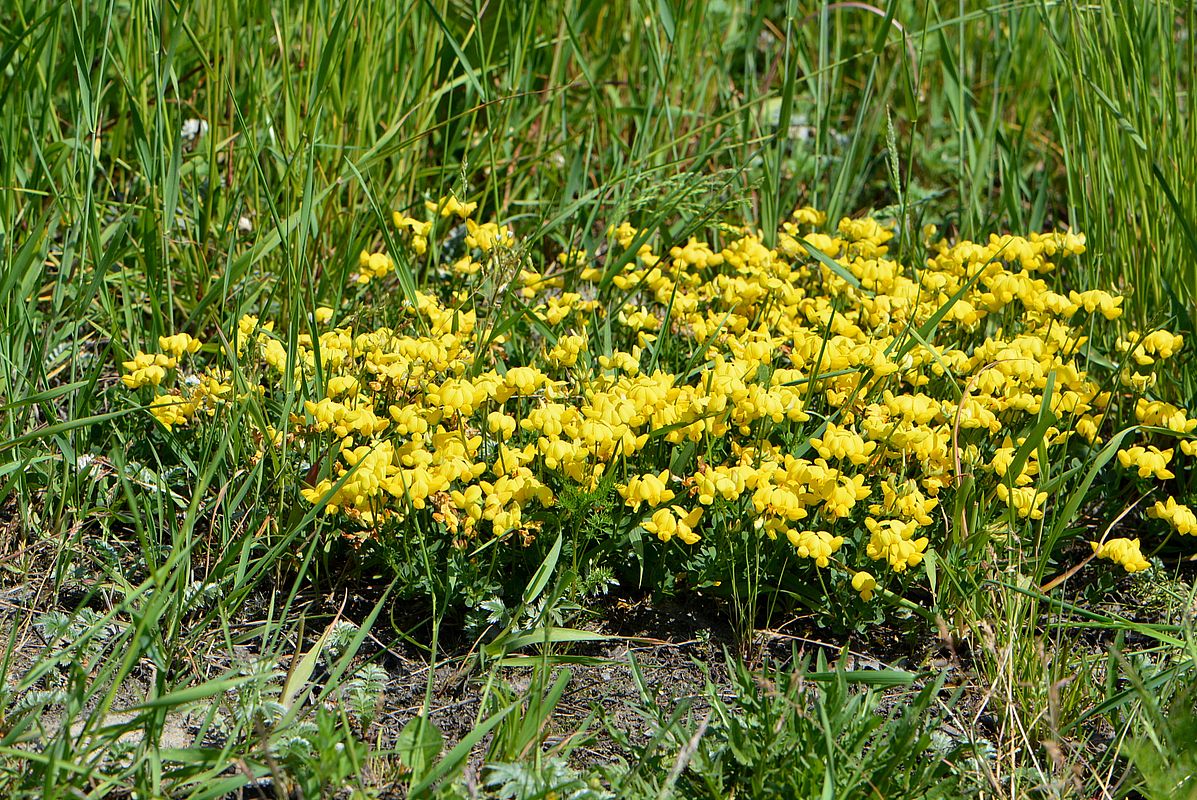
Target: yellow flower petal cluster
{"x": 420, "y": 231}
{"x": 1109, "y": 306}
{"x": 1025, "y": 501}
{"x": 449, "y": 205}
{"x": 651, "y": 489}
{"x": 864, "y": 583}
{"x": 674, "y": 521}
{"x": 1179, "y": 516}
{"x": 371, "y": 266}
{"x": 1145, "y": 350}
{"x": 905, "y": 501}
{"x": 172, "y": 410}
{"x": 892, "y": 540}
{"x": 1122, "y": 551}
{"x": 179, "y": 345}
{"x": 843, "y": 444}
{"x": 1164, "y": 415}
{"x": 487, "y": 236}
{"x": 147, "y": 369}
{"x": 715, "y": 381}
{"x": 815, "y": 545}
{"x": 566, "y": 351}
{"x": 1148, "y": 461}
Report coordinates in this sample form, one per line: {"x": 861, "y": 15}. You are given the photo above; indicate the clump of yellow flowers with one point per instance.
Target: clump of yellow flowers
{"x": 721, "y": 382}
{"x": 1122, "y": 551}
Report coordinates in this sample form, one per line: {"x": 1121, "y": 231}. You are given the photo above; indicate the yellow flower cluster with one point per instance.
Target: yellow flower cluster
{"x": 892, "y": 540}
{"x": 149, "y": 369}
{"x": 372, "y": 266}
{"x": 202, "y": 392}
{"x": 1149, "y": 462}
{"x": 1179, "y": 516}
{"x": 1122, "y": 551}
{"x": 674, "y": 521}
{"x": 1146, "y": 349}
{"x": 848, "y": 399}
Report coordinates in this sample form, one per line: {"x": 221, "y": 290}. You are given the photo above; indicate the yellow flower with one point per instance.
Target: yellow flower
{"x": 674, "y": 521}
{"x": 1025, "y": 501}
{"x": 1086, "y": 426}
{"x": 373, "y": 265}
{"x": 1163, "y": 415}
{"x": 1145, "y": 349}
{"x": 726, "y": 482}
{"x": 326, "y": 412}
{"x": 1148, "y": 461}
{"x": 649, "y": 489}
{"x": 566, "y": 351}
{"x": 420, "y": 231}
{"x": 458, "y": 396}
{"x": 808, "y": 216}
{"x": 892, "y": 541}
{"x": 172, "y": 410}
{"x": 343, "y": 385}
{"x": 1139, "y": 381}
{"x": 500, "y": 424}
{"x": 1124, "y": 552}
{"x": 179, "y": 344}
{"x": 842, "y": 495}
{"x": 488, "y": 235}
{"x": 782, "y": 501}
{"x": 524, "y": 380}
{"x": 905, "y": 500}
{"x": 865, "y": 583}
{"x": 1108, "y": 305}
{"x": 1179, "y": 516}
{"x": 629, "y": 363}
{"x": 359, "y": 421}
{"x": 1162, "y": 343}
{"x": 425, "y": 413}
{"x": 146, "y": 369}
{"x": 449, "y": 205}
{"x": 843, "y": 444}
{"x": 816, "y": 545}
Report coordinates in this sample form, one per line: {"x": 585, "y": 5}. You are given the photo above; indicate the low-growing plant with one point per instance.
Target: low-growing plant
{"x": 803, "y": 729}
{"x": 1162, "y": 726}
{"x": 791, "y": 419}
{"x": 318, "y": 758}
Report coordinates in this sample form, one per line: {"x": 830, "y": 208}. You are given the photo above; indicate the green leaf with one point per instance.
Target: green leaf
{"x": 866, "y": 677}
{"x": 301, "y": 670}
{"x": 832, "y": 265}
{"x": 457, "y": 756}
{"x": 418, "y": 745}
{"x": 540, "y": 580}
{"x": 191, "y": 694}
{"x": 548, "y": 634}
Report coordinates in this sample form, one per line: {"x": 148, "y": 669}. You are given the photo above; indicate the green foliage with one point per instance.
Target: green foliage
{"x": 1165, "y": 757}
{"x": 792, "y": 731}
{"x": 317, "y": 757}
{"x": 1126, "y": 136}
{"x": 1164, "y": 751}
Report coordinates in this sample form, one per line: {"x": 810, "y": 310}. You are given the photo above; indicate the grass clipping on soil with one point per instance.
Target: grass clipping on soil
{"x": 818, "y": 394}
